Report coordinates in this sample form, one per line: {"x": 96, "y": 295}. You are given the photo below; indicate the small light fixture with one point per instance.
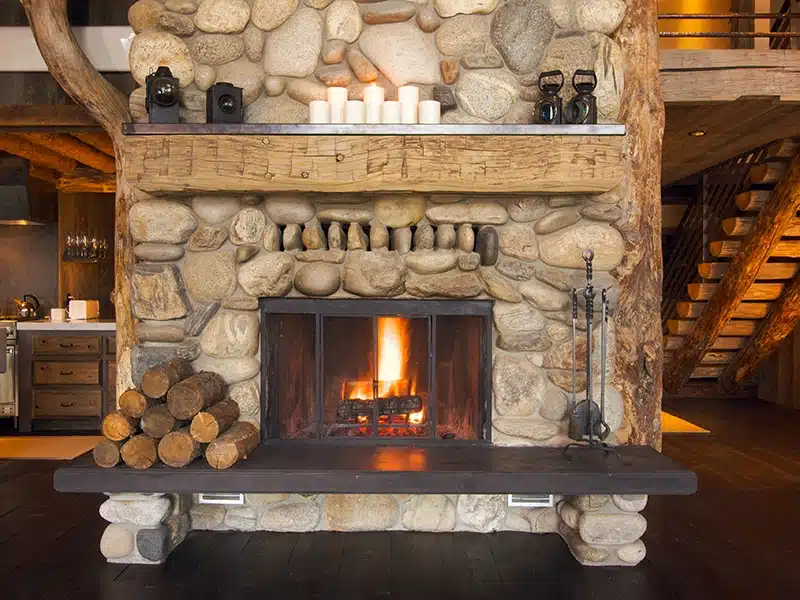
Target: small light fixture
{"x": 697, "y": 132}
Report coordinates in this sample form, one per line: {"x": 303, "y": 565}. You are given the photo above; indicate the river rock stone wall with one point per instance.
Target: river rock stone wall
{"x": 480, "y": 58}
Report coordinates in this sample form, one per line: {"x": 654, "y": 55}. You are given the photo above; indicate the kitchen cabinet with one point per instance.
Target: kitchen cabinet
{"x": 67, "y": 376}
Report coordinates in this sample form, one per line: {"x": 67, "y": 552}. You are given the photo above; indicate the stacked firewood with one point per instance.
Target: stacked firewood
{"x": 175, "y": 417}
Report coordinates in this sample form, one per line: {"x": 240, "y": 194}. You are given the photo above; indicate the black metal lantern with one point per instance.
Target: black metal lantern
{"x": 548, "y": 110}
{"x": 163, "y": 92}
{"x": 224, "y": 104}
{"x": 582, "y": 109}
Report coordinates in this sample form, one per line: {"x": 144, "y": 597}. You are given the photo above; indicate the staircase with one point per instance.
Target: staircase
{"x": 733, "y": 195}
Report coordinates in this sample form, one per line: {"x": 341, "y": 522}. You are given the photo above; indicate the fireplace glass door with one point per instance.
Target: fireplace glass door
{"x": 376, "y": 370}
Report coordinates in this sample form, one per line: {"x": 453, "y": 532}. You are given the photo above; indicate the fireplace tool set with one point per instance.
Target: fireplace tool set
{"x": 587, "y": 425}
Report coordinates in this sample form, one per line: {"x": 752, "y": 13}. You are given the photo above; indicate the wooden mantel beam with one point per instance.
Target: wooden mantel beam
{"x": 776, "y": 217}
{"x": 780, "y": 322}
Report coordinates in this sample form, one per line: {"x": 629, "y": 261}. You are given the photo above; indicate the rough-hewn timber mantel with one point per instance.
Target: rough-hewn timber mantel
{"x": 375, "y": 163}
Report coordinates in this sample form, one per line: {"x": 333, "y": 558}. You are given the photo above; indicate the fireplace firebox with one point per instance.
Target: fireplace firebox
{"x": 376, "y": 371}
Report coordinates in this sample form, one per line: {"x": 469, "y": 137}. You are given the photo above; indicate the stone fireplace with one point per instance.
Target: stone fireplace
{"x": 390, "y": 289}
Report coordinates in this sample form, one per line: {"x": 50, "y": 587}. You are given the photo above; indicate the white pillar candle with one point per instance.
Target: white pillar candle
{"x": 373, "y": 94}
{"x": 408, "y": 94}
{"x": 408, "y": 113}
{"x": 430, "y": 112}
{"x": 390, "y": 112}
{"x": 373, "y": 112}
{"x": 337, "y": 95}
{"x": 319, "y": 112}
{"x": 354, "y": 112}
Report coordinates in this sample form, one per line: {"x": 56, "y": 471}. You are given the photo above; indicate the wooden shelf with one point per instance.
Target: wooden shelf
{"x": 570, "y": 159}
{"x": 360, "y": 469}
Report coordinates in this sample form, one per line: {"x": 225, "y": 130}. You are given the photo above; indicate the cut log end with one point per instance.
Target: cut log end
{"x": 133, "y": 403}
{"x": 118, "y": 426}
{"x": 106, "y": 453}
{"x": 190, "y": 396}
{"x": 178, "y": 448}
{"x": 158, "y": 421}
{"x": 140, "y": 452}
{"x": 207, "y": 425}
{"x": 157, "y": 381}
{"x": 233, "y": 445}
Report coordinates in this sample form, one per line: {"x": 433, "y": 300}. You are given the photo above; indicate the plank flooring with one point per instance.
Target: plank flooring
{"x": 735, "y": 539}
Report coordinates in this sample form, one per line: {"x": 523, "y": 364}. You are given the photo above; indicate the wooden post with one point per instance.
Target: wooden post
{"x": 638, "y": 314}
{"x": 156, "y": 382}
{"x": 109, "y": 107}
{"x": 207, "y": 425}
{"x": 192, "y": 395}
{"x": 780, "y": 323}
{"x": 777, "y": 216}
{"x": 233, "y": 445}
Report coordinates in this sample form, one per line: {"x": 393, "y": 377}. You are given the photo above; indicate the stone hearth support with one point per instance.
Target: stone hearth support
{"x": 144, "y": 528}
{"x": 604, "y": 530}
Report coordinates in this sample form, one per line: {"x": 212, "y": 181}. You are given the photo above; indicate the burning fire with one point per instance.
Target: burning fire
{"x": 393, "y": 356}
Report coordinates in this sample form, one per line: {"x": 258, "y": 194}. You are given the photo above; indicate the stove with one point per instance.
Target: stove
{"x": 9, "y": 366}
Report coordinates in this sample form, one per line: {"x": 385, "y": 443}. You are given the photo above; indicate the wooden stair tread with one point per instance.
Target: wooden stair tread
{"x": 771, "y": 171}
{"x": 770, "y": 271}
{"x": 745, "y": 310}
{"x": 754, "y": 200}
{"x": 785, "y": 148}
{"x": 735, "y": 327}
{"x": 673, "y": 342}
{"x": 738, "y": 226}
{"x": 710, "y": 358}
{"x": 729, "y": 248}
{"x": 708, "y": 372}
{"x": 757, "y": 291}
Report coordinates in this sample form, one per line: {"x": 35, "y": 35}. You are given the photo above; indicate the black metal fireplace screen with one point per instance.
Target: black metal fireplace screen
{"x": 388, "y": 371}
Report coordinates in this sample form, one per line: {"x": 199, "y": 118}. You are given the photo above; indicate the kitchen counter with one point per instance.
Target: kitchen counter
{"x": 47, "y": 325}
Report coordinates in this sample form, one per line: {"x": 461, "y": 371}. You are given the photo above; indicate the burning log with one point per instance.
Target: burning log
{"x": 190, "y": 396}
{"x": 233, "y": 445}
{"x": 117, "y": 426}
{"x": 157, "y": 421}
{"x": 178, "y": 448}
{"x": 387, "y": 407}
{"x": 133, "y": 403}
{"x": 207, "y": 425}
{"x": 156, "y": 382}
{"x": 140, "y": 452}
{"x": 106, "y": 453}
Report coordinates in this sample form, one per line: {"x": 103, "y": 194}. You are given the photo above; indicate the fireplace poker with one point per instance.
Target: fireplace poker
{"x": 589, "y": 295}
{"x": 574, "y": 399}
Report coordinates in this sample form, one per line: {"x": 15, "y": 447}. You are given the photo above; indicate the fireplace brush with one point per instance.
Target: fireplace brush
{"x": 587, "y": 424}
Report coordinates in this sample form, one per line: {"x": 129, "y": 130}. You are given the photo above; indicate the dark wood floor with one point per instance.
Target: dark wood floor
{"x": 736, "y": 539}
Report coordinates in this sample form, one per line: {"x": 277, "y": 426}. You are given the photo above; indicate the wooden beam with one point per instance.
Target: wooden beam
{"x": 75, "y": 149}
{"x": 314, "y": 163}
{"x": 44, "y": 115}
{"x": 773, "y": 220}
{"x": 42, "y": 173}
{"x": 16, "y": 144}
{"x": 98, "y": 139}
{"x": 770, "y": 271}
{"x": 78, "y": 182}
{"x": 779, "y": 324}
{"x": 737, "y": 226}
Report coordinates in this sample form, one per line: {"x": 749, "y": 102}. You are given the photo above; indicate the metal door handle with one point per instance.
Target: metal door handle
{"x": 67, "y": 404}
{"x": 67, "y": 372}
{"x": 66, "y": 345}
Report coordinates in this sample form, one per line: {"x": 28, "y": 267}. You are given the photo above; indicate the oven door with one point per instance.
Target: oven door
{"x": 8, "y": 385}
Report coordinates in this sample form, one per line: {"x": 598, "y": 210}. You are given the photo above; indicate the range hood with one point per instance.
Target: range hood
{"x": 15, "y": 205}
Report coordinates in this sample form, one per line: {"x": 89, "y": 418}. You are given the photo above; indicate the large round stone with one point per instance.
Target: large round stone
{"x": 293, "y": 50}
{"x": 557, "y": 219}
{"x": 565, "y": 248}
{"x": 215, "y": 210}
{"x": 153, "y": 49}
{"x": 210, "y": 276}
{"x": 430, "y": 262}
{"x": 396, "y": 211}
{"x": 632, "y": 553}
{"x": 630, "y": 502}
{"x": 247, "y": 227}
{"x": 600, "y": 15}
{"x": 475, "y": 213}
{"x": 519, "y": 241}
{"x": 144, "y": 15}
{"x": 222, "y": 16}
{"x": 271, "y": 14}
{"x": 554, "y": 406}
{"x": 498, "y": 287}
{"x": 463, "y": 34}
{"x": 610, "y": 70}
{"x": 276, "y": 110}
{"x": 543, "y": 296}
{"x": 232, "y": 370}
{"x": 157, "y": 292}
{"x": 521, "y": 30}
{"x": 343, "y": 21}
{"x": 244, "y": 74}
{"x": 611, "y": 529}
{"x": 456, "y": 285}
{"x": 293, "y": 517}
{"x": 286, "y": 210}
{"x": 487, "y": 94}
{"x": 215, "y": 49}
{"x": 147, "y": 512}
{"x": 402, "y": 52}
{"x": 231, "y": 334}
{"x": 374, "y": 274}
{"x": 360, "y": 512}
{"x": 429, "y": 512}
{"x": 568, "y": 51}
{"x": 449, "y": 8}
{"x": 161, "y": 221}
{"x": 317, "y": 279}
{"x": 562, "y": 11}
{"x": 527, "y": 208}
{"x": 518, "y": 386}
{"x": 346, "y": 214}
{"x": 482, "y": 513}
{"x": 267, "y": 275}
{"x": 117, "y": 541}
{"x": 512, "y": 318}
{"x": 158, "y": 252}
{"x": 247, "y": 395}
{"x": 207, "y": 238}
{"x": 527, "y": 428}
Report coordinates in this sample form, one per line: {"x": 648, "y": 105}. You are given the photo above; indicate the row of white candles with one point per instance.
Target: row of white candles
{"x": 374, "y": 109}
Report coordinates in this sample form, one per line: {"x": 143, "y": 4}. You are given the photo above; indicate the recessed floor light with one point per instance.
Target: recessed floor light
{"x": 697, "y": 133}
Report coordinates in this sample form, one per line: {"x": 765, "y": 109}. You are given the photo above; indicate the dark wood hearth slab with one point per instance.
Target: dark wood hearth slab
{"x": 319, "y": 468}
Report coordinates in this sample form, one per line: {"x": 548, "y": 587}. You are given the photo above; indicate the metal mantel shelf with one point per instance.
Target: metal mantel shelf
{"x": 304, "y": 129}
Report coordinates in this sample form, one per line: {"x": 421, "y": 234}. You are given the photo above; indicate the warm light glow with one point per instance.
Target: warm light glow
{"x": 416, "y": 418}
{"x": 393, "y": 346}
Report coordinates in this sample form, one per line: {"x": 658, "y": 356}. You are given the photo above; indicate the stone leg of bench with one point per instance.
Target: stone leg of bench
{"x": 604, "y": 531}
{"x": 144, "y": 528}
